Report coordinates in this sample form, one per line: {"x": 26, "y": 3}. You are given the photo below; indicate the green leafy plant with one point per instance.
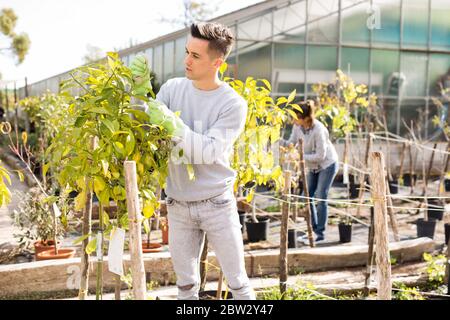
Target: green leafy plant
{"x": 337, "y": 101}
{"x": 34, "y": 220}
{"x": 104, "y": 111}
{"x": 435, "y": 269}
{"x": 298, "y": 292}
{"x": 344, "y": 219}
{"x": 253, "y": 157}
{"x": 406, "y": 293}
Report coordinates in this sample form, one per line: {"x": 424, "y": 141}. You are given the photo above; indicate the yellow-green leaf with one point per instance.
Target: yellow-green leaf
{"x": 92, "y": 246}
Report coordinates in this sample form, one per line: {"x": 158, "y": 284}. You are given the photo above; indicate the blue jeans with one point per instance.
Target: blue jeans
{"x": 319, "y": 183}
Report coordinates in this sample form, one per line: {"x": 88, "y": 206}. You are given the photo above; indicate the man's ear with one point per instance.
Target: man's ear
{"x": 218, "y": 62}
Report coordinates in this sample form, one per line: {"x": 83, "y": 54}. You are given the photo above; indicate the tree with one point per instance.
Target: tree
{"x": 20, "y": 43}
{"x": 193, "y": 11}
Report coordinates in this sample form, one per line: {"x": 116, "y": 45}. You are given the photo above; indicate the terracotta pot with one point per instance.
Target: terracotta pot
{"x": 40, "y": 245}
{"x": 63, "y": 253}
{"x": 165, "y": 231}
{"x": 151, "y": 247}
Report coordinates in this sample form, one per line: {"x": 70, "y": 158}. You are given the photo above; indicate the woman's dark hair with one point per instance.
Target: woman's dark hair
{"x": 307, "y": 110}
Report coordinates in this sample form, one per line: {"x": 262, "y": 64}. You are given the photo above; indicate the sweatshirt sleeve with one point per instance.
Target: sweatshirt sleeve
{"x": 321, "y": 145}
{"x": 208, "y": 147}
{"x": 293, "y": 138}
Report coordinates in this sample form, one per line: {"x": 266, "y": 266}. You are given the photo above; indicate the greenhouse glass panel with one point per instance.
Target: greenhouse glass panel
{"x": 322, "y": 64}
{"x": 355, "y": 19}
{"x": 440, "y": 24}
{"x": 259, "y": 28}
{"x": 355, "y": 63}
{"x": 289, "y": 68}
{"x": 415, "y": 23}
{"x": 387, "y": 32}
{"x": 323, "y": 21}
{"x": 149, "y": 55}
{"x": 289, "y": 22}
{"x": 414, "y": 68}
{"x": 180, "y": 54}
{"x": 158, "y": 60}
{"x": 254, "y": 60}
{"x": 439, "y": 73}
{"x": 168, "y": 60}
{"x": 385, "y": 75}
{"x": 414, "y": 110}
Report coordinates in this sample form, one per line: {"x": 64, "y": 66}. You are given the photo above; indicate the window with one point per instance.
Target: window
{"x": 355, "y": 63}
{"x": 289, "y": 22}
{"x": 415, "y": 23}
{"x": 388, "y": 30}
{"x": 254, "y": 60}
{"x": 259, "y": 28}
{"x": 413, "y": 68}
{"x": 323, "y": 21}
{"x": 385, "y": 76}
{"x": 168, "y": 60}
{"x": 440, "y": 26}
{"x": 322, "y": 64}
{"x": 439, "y": 73}
{"x": 355, "y": 19}
{"x": 158, "y": 60}
{"x": 289, "y": 68}
{"x": 180, "y": 53}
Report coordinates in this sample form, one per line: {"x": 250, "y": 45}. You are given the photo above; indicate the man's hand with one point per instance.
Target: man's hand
{"x": 161, "y": 115}
{"x": 140, "y": 72}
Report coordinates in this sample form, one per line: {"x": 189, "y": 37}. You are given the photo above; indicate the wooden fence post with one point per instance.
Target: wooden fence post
{"x": 362, "y": 181}
{"x": 134, "y": 217}
{"x": 378, "y": 184}
{"x": 283, "y": 232}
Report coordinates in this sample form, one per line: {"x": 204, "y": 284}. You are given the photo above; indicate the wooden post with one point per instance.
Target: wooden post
{"x": 402, "y": 160}
{"x": 86, "y": 229}
{"x": 388, "y": 145}
{"x": 411, "y": 168}
{"x": 381, "y": 233}
{"x": 362, "y": 181}
{"x": 391, "y": 213}
{"x": 219, "y": 286}
{"x": 283, "y": 232}
{"x": 204, "y": 264}
{"x": 369, "y": 254}
{"x": 134, "y": 217}
{"x": 306, "y": 193}
{"x": 117, "y": 287}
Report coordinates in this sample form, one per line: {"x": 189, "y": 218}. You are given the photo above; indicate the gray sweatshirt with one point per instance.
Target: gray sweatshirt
{"x": 319, "y": 151}
{"x": 215, "y": 119}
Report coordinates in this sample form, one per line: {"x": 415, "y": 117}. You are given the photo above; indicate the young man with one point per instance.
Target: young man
{"x": 212, "y": 116}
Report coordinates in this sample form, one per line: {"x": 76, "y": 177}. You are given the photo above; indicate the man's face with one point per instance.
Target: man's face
{"x": 200, "y": 63}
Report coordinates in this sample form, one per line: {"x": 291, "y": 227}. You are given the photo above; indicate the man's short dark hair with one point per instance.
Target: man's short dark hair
{"x": 220, "y": 37}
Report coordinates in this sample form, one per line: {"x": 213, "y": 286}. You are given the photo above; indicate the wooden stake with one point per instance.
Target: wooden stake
{"x": 86, "y": 229}
{"x": 369, "y": 254}
{"x": 362, "y": 180}
{"x": 411, "y": 168}
{"x": 402, "y": 159}
{"x": 219, "y": 286}
{"x": 378, "y": 183}
{"x": 204, "y": 264}
{"x": 283, "y": 232}
{"x": 306, "y": 193}
{"x": 135, "y": 219}
{"x": 391, "y": 213}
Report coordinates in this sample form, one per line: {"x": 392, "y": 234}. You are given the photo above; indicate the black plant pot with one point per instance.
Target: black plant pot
{"x": 408, "y": 181}
{"x": 345, "y": 232}
{"x": 393, "y": 186}
{"x": 447, "y": 185}
{"x": 242, "y": 215}
{"x": 435, "y": 213}
{"x": 425, "y": 228}
{"x": 211, "y": 295}
{"x": 292, "y": 238}
{"x": 447, "y": 232}
{"x": 257, "y": 231}
{"x": 354, "y": 190}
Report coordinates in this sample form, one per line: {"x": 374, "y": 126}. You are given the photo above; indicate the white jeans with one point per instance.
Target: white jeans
{"x": 217, "y": 216}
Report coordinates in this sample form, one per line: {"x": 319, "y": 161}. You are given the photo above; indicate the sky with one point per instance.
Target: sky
{"x": 60, "y": 30}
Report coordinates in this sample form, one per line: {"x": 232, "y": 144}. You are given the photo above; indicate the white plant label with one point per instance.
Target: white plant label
{"x": 99, "y": 247}
{"x": 115, "y": 251}
{"x": 56, "y": 210}
{"x": 345, "y": 173}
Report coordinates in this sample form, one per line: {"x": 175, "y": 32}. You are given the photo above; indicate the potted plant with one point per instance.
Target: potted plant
{"x": 345, "y": 229}
{"x": 435, "y": 209}
{"x": 147, "y": 245}
{"x": 36, "y": 223}
{"x": 426, "y": 226}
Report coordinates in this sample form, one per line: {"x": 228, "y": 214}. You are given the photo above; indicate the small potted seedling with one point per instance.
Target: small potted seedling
{"x": 345, "y": 229}
{"x": 426, "y": 226}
